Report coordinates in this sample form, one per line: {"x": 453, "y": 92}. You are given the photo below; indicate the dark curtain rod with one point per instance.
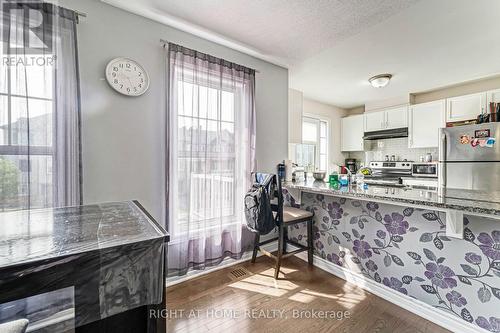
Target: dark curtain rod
{"x": 80, "y": 13}
{"x": 165, "y": 42}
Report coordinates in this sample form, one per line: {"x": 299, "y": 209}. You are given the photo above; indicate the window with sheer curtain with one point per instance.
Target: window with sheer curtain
{"x": 211, "y": 140}
{"x": 39, "y": 109}
{"x": 26, "y": 96}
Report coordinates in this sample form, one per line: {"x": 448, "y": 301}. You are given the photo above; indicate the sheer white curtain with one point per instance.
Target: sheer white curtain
{"x": 39, "y": 107}
{"x": 211, "y": 154}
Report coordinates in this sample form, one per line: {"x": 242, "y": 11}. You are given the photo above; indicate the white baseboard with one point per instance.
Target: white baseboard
{"x": 271, "y": 247}
{"x": 415, "y": 306}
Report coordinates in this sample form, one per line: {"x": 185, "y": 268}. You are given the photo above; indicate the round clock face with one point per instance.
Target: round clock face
{"x": 127, "y": 77}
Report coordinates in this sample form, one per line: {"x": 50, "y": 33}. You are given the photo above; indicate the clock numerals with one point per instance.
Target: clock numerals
{"x": 127, "y": 77}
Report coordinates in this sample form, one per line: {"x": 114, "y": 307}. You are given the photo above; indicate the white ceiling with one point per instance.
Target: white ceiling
{"x": 333, "y": 46}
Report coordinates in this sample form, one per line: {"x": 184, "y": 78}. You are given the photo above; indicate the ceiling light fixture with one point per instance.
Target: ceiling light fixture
{"x": 380, "y": 81}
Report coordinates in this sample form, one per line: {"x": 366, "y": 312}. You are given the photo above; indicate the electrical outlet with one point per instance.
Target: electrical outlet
{"x": 380, "y": 144}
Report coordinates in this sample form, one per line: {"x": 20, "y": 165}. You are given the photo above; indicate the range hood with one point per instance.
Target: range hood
{"x": 387, "y": 134}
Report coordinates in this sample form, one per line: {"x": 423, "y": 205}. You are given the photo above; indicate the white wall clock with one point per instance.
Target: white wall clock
{"x": 127, "y": 77}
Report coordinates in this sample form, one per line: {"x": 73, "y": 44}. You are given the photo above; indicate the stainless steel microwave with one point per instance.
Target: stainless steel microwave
{"x": 425, "y": 169}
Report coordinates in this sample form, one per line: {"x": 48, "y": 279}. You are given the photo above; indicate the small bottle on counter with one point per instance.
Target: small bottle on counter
{"x": 344, "y": 180}
{"x": 282, "y": 170}
{"x": 333, "y": 178}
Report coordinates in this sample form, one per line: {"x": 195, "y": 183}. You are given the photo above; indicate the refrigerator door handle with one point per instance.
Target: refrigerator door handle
{"x": 442, "y": 159}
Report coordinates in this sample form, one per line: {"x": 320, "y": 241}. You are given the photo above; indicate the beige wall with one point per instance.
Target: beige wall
{"x": 374, "y": 106}
{"x": 458, "y": 90}
{"x": 333, "y": 114}
{"x": 357, "y": 110}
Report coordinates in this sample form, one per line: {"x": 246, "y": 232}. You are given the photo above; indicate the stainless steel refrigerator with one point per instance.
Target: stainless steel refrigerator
{"x": 469, "y": 157}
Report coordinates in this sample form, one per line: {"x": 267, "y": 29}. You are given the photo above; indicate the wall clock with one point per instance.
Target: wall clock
{"x": 127, "y": 77}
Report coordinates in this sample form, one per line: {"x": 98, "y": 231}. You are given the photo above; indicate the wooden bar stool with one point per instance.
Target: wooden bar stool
{"x": 285, "y": 217}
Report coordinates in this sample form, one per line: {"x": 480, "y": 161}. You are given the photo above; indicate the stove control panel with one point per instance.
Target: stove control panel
{"x": 391, "y": 165}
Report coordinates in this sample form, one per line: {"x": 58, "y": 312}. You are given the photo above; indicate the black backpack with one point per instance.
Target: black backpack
{"x": 258, "y": 212}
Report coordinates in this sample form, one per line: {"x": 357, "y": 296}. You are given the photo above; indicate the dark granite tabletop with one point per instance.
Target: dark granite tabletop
{"x": 33, "y": 235}
{"x": 469, "y": 201}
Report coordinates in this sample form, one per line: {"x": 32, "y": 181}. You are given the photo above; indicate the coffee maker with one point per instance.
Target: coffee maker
{"x": 350, "y": 163}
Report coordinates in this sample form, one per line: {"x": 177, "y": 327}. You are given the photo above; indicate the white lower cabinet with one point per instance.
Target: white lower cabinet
{"x": 424, "y": 123}
{"x": 352, "y": 133}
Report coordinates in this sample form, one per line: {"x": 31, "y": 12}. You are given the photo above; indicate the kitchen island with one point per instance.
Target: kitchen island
{"x": 396, "y": 241}
{"x": 92, "y": 268}
{"x": 468, "y": 201}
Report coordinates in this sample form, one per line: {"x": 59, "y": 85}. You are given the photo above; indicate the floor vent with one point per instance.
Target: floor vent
{"x": 239, "y": 273}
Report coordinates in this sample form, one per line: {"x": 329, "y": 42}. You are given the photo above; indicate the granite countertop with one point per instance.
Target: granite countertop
{"x": 32, "y": 235}
{"x": 470, "y": 201}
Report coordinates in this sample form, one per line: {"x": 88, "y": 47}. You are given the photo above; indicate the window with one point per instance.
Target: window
{"x": 205, "y": 151}
{"x": 211, "y": 151}
{"x": 315, "y": 134}
{"x": 211, "y": 154}
{"x": 26, "y": 94}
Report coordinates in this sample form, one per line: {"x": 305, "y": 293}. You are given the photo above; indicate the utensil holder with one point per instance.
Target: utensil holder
{"x": 494, "y": 111}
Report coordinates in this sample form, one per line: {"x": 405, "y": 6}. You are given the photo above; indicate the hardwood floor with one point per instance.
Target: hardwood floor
{"x": 255, "y": 302}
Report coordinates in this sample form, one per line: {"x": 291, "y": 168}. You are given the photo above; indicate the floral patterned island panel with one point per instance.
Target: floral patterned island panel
{"x": 406, "y": 249}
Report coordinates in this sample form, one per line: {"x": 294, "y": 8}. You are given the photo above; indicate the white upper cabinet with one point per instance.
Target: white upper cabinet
{"x": 465, "y": 107}
{"x": 374, "y": 121}
{"x": 396, "y": 117}
{"x": 352, "y": 133}
{"x": 492, "y": 96}
{"x": 386, "y": 119}
{"x": 424, "y": 123}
